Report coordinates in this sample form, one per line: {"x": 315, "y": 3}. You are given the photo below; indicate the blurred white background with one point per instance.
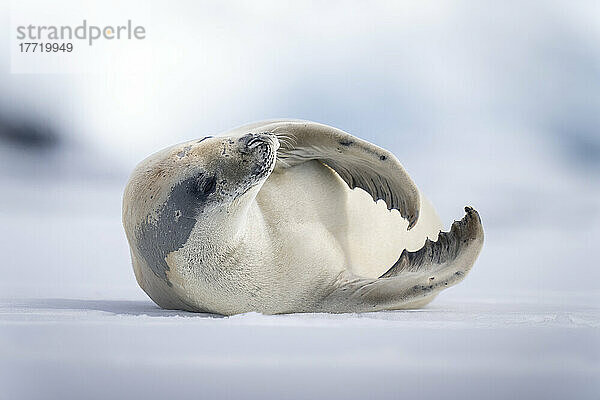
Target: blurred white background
{"x": 491, "y": 104}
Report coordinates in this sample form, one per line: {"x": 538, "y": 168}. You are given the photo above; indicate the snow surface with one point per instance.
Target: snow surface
{"x": 470, "y": 348}
{"x": 74, "y": 324}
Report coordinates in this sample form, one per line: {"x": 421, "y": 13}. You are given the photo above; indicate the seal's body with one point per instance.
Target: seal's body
{"x": 264, "y": 219}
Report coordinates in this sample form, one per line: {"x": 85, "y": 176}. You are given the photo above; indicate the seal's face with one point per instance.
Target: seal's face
{"x": 209, "y": 172}
{"x": 172, "y": 191}
{"x": 246, "y": 161}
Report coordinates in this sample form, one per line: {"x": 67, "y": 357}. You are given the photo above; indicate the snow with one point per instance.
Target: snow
{"x": 74, "y": 324}
{"x": 476, "y": 348}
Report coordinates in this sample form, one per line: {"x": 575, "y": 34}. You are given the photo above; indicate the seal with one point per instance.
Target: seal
{"x": 287, "y": 216}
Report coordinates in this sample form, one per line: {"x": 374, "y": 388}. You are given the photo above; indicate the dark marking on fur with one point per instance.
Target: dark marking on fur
{"x": 203, "y": 139}
{"x": 346, "y": 142}
{"x": 382, "y": 157}
{"x": 176, "y": 219}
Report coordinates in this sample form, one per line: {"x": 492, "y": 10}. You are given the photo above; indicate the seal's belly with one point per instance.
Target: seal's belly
{"x": 336, "y": 221}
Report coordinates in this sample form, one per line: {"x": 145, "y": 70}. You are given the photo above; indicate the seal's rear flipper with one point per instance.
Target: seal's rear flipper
{"x": 416, "y": 276}
{"x": 358, "y": 162}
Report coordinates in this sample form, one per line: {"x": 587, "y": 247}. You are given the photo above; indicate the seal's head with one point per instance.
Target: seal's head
{"x": 200, "y": 175}
{"x": 176, "y": 189}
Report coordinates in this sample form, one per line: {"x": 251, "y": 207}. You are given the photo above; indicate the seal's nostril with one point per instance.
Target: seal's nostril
{"x": 245, "y": 142}
{"x": 254, "y": 140}
{"x": 257, "y": 141}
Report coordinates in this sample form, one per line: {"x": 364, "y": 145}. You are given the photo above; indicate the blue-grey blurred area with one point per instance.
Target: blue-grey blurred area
{"x": 491, "y": 104}
{"x": 486, "y": 103}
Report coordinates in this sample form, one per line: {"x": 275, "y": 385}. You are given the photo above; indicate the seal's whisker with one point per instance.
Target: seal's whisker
{"x": 288, "y": 139}
{"x": 283, "y": 162}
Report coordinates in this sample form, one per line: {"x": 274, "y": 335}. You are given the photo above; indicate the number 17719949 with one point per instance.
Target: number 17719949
{"x": 32, "y": 47}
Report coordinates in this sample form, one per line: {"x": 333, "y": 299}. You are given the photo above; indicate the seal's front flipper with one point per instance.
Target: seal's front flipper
{"x": 416, "y": 276}
{"x": 358, "y": 162}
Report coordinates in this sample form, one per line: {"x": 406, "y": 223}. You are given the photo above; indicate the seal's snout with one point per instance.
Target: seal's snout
{"x": 251, "y": 141}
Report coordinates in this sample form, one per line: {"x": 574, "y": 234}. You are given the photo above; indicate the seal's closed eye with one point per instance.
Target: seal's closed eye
{"x": 202, "y": 186}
